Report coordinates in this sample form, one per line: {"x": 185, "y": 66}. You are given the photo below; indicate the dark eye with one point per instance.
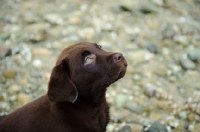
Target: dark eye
{"x": 99, "y": 46}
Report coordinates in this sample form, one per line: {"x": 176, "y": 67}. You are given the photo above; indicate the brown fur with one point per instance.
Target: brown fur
{"x": 75, "y": 101}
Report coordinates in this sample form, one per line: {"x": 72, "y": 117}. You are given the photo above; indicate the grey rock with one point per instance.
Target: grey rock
{"x": 183, "y": 115}
{"x": 134, "y": 107}
{"x": 194, "y": 55}
{"x": 157, "y": 127}
{"x": 147, "y": 8}
{"x": 4, "y": 36}
{"x": 187, "y": 64}
{"x": 168, "y": 32}
{"x": 152, "y": 48}
{"x": 125, "y": 129}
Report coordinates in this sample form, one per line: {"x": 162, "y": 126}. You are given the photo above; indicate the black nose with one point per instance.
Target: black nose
{"x": 118, "y": 57}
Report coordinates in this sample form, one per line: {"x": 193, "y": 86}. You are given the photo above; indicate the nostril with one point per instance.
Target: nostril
{"x": 118, "y": 57}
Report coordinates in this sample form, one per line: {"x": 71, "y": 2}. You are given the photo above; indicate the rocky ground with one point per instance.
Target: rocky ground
{"x": 159, "y": 38}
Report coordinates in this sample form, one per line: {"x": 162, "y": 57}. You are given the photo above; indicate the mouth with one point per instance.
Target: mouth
{"x": 119, "y": 76}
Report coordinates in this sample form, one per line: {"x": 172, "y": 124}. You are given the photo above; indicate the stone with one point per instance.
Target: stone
{"x": 158, "y": 2}
{"x": 155, "y": 116}
{"x": 157, "y": 127}
{"x": 152, "y": 48}
{"x": 120, "y": 100}
{"x": 134, "y": 107}
{"x": 187, "y": 64}
{"x": 23, "y": 99}
{"x": 168, "y": 32}
{"x": 182, "y": 40}
{"x": 38, "y": 35}
{"x": 13, "y": 89}
{"x": 53, "y": 18}
{"x": 41, "y": 52}
{"x": 194, "y": 55}
{"x": 9, "y": 74}
{"x": 147, "y": 8}
{"x": 125, "y": 129}
{"x": 5, "y": 51}
{"x": 139, "y": 56}
{"x": 183, "y": 115}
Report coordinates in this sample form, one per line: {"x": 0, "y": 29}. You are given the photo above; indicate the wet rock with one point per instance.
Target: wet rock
{"x": 187, "y": 64}
{"x": 194, "y": 55}
{"x": 157, "y": 127}
{"x": 23, "y": 99}
{"x": 9, "y": 74}
{"x": 5, "y": 51}
{"x": 134, "y": 107}
{"x": 13, "y": 89}
{"x": 152, "y": 48}
{"x": 125, "y": 129}
{"x": 53, "y": 18}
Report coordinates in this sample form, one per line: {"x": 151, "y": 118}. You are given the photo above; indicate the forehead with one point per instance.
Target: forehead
{"x": 80, "y": 47}
{"x": 75, "y": 51}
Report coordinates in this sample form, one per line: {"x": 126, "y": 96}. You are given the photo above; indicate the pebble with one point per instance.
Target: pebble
{"x": 125, "y": 129}
{"x": 187, "y": 64}
{"x": 147, "y": 8}
{"x": 53, "y": 18}
{"x": 152, "y": 48}
{"x": 41, "y": 52}
{"x": 120, "y": 100}
{"x": 38, "y": 35}
{"x": 9, "y": 74}
{"x": 157, "y": 127}
{"x": 23, "y": 99}
{"x": 13, "y": 89}
{"x": 182, "y": 40}
{"x": 194, "y": 55}
{"x": 134, "y": 107}
{"x": 5, "y": 51}
{"x": 183, "y": 115}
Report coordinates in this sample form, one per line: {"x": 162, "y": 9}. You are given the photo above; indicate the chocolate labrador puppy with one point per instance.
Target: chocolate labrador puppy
{"x": 75, "y": 101}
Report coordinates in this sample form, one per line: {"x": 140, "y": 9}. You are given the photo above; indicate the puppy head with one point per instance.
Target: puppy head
{"x": 84, "y": 69}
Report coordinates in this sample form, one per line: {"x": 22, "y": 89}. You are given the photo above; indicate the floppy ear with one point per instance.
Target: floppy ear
{"x": 61, "y": 88}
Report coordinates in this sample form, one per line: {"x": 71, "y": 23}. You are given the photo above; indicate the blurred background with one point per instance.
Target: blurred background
{"x": 159, "y": 38}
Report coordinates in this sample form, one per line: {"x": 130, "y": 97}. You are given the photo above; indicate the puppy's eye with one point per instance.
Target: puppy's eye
{"x": 90, "y": 59}
{"x": 87, "y": 60}
{"x": 99, "y": 46}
